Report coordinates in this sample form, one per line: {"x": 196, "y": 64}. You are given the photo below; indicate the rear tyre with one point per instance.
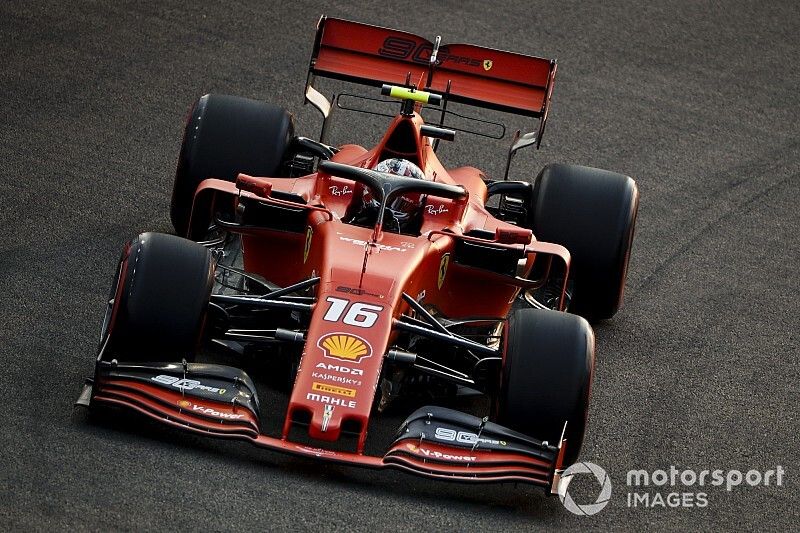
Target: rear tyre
{"x": 592, "y": 213}
{"x": 161, "y": 296}
{"x": 547, "y": 377}
{"x": 226, "y": 135}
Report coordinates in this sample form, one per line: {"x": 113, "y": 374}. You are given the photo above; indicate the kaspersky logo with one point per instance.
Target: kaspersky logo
{"x": 345, "y": 346}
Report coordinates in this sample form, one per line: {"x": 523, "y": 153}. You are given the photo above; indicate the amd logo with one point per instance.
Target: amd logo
{"x": 341, "y": 369}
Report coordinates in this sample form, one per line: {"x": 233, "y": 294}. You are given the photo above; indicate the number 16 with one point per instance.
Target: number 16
{"x": 360, "y": 314}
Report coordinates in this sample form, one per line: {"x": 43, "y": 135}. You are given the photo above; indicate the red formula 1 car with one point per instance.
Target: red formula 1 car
{"x": 370, "y": 279}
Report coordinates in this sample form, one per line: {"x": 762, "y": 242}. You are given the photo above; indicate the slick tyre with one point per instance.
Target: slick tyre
{"x": 226, "y": 135}
{"x": 547, "y": 377}
{"x": 592, "y": 213}
{"x": 161, "y": 296}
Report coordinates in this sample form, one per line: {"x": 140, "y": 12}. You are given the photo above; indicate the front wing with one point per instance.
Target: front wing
{"x": 221, "y": 401}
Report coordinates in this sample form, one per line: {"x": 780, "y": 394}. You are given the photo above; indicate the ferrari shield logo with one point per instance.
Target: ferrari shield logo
{"x": 309, "y": 234}
{"x": 443, "y": 269}
{"x": 487, "y": 64}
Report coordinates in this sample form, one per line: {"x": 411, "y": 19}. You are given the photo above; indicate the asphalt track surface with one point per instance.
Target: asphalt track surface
{"x": 696, "y": 100}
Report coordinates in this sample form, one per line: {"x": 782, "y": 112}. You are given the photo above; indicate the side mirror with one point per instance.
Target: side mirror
{"x": 513, "y": 235}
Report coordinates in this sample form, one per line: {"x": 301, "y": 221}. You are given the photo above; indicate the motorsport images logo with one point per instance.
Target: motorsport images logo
{"x": 664, "y": 488}
{"x": 602, "y": 498}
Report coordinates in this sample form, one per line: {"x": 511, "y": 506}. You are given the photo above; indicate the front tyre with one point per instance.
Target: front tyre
{"x": 547, "y": 377}
{"x": 160, "y": 299}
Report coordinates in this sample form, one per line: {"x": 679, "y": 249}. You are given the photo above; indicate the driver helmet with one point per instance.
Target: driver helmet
{"x": 400, "y": 167}
{"x": 404, "y": 206}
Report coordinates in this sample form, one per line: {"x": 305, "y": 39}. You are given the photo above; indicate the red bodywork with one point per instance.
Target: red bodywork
{"x": 362, "y": 281}
{"x": 351, "y": 268}
{"x": 474, "y": 74}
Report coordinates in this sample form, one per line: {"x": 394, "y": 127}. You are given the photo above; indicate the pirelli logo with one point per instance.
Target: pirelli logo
{"x": 333, "y": 389}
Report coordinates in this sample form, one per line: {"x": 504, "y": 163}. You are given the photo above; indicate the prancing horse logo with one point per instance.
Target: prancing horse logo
{"x": 487, "y": 64}
{"x": 443, "y": 269}
{"x": 309, "y": 234}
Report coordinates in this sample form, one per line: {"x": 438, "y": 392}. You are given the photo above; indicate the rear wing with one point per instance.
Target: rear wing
{"x": 474, "y": 75}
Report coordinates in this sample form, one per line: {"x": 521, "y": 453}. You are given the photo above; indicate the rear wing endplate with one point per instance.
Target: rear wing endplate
{"x": 465, "y": 73}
